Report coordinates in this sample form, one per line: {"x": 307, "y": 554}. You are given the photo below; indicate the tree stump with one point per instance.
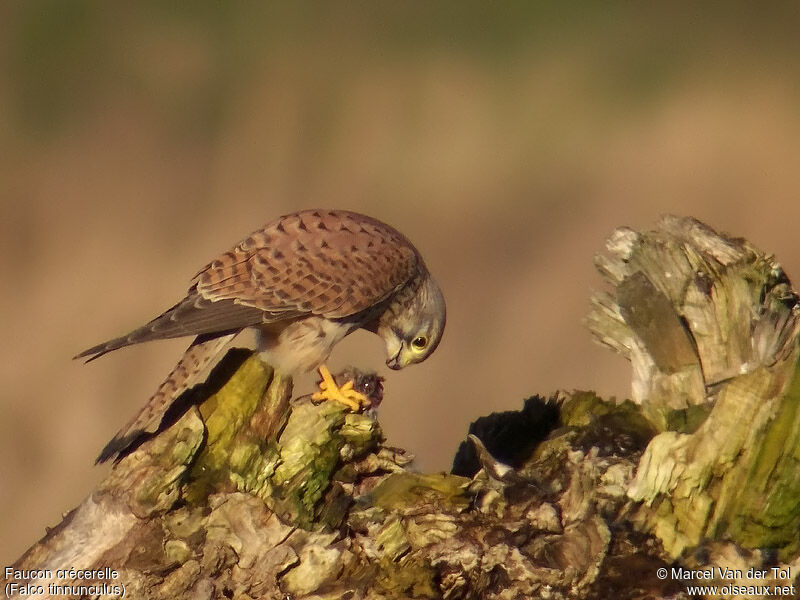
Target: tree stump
{"x": 248, "y": 493}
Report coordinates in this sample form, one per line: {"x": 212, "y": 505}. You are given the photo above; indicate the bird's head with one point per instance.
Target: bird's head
{"x": 413, "y": 326}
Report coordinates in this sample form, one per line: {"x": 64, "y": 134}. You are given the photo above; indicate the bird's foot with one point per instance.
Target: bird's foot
{"x": 329, "y": 390}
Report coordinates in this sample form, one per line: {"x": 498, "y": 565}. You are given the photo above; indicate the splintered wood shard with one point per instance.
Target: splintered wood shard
{"x": 690, "y": 308}
{"x": 710, "y": 325}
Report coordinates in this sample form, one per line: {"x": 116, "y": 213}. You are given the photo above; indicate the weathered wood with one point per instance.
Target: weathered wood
{"x": 248, "y": 493}
{"x": 710, "y": 325}
{"x": 225, "y": 504}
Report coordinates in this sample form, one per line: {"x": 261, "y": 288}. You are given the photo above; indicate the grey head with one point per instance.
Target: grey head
{"x": 413, "y": 324}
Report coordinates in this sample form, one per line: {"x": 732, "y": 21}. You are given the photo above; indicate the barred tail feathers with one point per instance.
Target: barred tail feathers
{"x": 202, "y": 351}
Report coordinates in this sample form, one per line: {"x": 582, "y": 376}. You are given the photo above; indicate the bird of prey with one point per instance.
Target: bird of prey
{"x": 303, "y": 281}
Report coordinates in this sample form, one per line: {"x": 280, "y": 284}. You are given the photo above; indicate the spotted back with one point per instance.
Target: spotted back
{"x": 325, "y": 262}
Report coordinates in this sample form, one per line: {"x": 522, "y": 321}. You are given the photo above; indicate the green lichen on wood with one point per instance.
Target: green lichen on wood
{"x": 392, "y": 540}
{"x": 307, "y": 459}
{"x": 286, "y": 455}
{"x": 160, "y": 469}
{"x": 581, "y": 408}
{"x": 406, "y": 578}
{"x": 310, "y": 450}
{"x": 687, "y": 420}
{"x": 231, "y": 452}
{"x": 737, "y": 477}
{"x": 597, "y": 420}
{"x": 765, "y": 511}
{"x": 404, "y": 490}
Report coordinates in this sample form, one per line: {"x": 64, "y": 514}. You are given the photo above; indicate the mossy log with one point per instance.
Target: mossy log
{"x": 248, "y": 493}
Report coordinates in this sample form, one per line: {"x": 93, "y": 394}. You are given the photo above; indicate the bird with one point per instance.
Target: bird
{"x": 303, "y": 282}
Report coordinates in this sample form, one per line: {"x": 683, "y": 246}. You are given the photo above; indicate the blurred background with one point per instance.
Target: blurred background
{"x": 507, "y": 140}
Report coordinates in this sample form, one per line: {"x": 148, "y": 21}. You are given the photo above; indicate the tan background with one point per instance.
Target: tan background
{"x": 507, "y": 141}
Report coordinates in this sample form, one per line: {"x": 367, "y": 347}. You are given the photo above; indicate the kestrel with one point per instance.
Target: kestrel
{"x": 302, "y": 282}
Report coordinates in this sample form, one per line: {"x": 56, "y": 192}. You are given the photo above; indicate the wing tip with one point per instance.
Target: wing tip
{"x": 99, "y": 350}
{"x": 92, "y": 353}
{"x": 105, "y": 454}
{"x": 118, "y": 447}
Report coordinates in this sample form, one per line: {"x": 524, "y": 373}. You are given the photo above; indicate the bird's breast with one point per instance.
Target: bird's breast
{"x": 300, "y": 345}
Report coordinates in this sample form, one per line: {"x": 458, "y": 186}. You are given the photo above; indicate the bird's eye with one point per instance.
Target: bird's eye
{"x": 419, "y": 342}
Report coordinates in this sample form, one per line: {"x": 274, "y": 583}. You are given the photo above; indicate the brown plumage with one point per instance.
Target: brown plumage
{"x": 303, "y": 281}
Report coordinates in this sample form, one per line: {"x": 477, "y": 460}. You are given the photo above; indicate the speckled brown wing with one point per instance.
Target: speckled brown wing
{"x": 323, "y": 262}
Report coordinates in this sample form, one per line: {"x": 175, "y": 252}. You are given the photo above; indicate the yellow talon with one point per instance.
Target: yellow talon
{"x": 328, "y": 390}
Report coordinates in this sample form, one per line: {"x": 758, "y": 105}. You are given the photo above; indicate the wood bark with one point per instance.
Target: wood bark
{"x": 248, "y": 493}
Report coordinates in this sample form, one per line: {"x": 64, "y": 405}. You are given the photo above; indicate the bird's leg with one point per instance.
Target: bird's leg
{"x": 328, "y": 390}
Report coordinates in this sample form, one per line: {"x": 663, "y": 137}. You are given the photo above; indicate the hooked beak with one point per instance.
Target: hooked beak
{"x": 396, "y": 363}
